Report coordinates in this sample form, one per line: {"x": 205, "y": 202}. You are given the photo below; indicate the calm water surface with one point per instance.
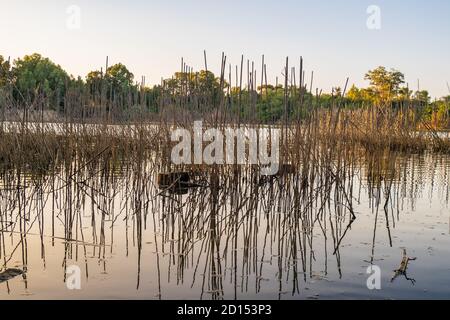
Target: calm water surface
{"x": 255, "y": 241}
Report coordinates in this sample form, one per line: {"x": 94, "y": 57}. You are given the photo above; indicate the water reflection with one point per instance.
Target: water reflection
{"x": 232, "y": 234}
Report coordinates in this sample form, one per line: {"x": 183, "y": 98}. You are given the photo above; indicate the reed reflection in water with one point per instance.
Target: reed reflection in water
{"x": 304, "y": 233}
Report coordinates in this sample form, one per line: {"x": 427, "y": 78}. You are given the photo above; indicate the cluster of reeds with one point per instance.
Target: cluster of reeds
{"x": 73, "y": 170}
{"x": 233, "y": 227}
{"x": 84, "y": 121}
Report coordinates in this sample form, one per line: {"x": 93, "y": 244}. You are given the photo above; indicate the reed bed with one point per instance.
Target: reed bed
{"x": 231, "y": 229}
{"x": 76, "y": 179}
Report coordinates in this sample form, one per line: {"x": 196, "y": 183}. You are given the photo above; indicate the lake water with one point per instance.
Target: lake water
{"x": 285, "y": 238}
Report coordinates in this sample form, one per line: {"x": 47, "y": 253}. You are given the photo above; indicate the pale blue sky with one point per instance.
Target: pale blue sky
{"x": 150, "y": 37}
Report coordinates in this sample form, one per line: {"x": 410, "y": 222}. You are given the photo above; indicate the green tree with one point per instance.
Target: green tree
{"x": 200, "y": 82}
{"x": 354, "y": 94}
{"x": 206, "y": 81}
{"x": 35, "y": 75}
{"x": 385, "y": 84}
{"x": 422, "y": 97}
{"x": 94, "y": 80}
{"x": 360, "y": 95}
{"x": 4, "y": 71}
{"x": 119, "y": 77}
{"x": 270, "y": 108}
{"x": 117, "y": 81}
{"x": 404, "y": 94}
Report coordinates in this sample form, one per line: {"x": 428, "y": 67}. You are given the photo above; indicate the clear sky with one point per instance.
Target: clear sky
{"x": 150, "y": 37}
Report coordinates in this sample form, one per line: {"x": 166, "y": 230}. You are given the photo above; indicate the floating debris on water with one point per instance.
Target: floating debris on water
{"x": 9, "y": 274}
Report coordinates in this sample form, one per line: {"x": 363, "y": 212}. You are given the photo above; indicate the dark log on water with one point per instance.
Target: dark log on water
{"x": 173, "y": 180}
{"x": 176, "y": 182}
{"x": 9, "y": 274}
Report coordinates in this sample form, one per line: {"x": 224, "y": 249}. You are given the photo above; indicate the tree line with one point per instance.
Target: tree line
{"x": 36, "y": 85}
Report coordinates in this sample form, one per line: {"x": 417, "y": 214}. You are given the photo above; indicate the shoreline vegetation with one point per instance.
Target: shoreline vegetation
{"x": 87, "y": 151}
{"x": 47, "y": 116}
{"x": 72, "y": 117}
